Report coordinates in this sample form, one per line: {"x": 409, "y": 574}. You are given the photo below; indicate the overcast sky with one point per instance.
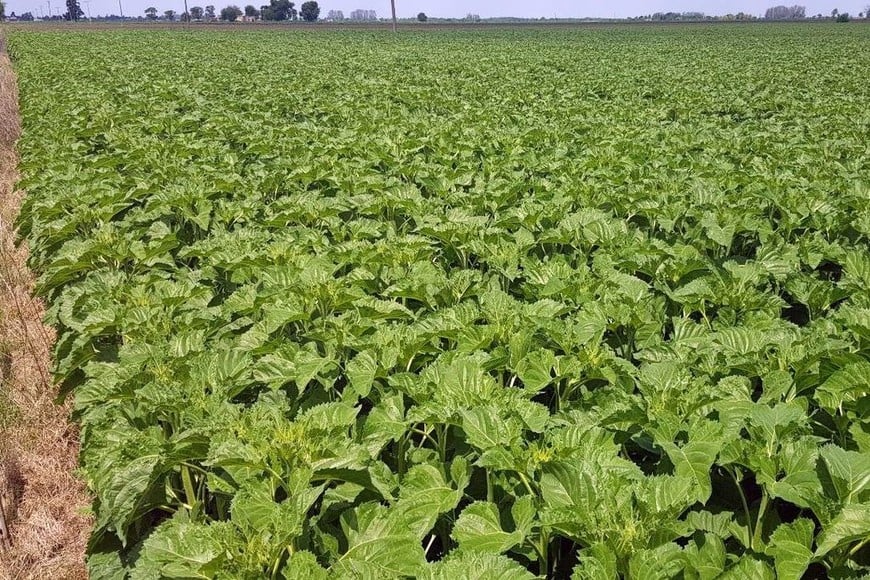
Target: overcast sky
{"x": 458, "y": 8}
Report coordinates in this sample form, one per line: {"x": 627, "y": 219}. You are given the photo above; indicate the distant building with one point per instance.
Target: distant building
{"x": 363, "y": 15}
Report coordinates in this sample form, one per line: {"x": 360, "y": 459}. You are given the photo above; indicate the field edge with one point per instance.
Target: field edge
{"x": 47, "y": 506}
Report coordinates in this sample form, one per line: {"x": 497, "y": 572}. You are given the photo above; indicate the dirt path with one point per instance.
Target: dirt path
{"x": 45, "y": 504}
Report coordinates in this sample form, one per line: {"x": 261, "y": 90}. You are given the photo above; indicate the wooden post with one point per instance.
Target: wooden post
{"x": 5, "y": 540}
{"x": 393, "y": 6}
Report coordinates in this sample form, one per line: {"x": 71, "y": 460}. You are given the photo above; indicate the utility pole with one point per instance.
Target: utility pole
{"x": 393, "y": 5}
{"x": 50, "y": 14}
{"x": 88, "y": 5}
{"x": 121, "y": 8}
{"x": 186, "y": 16}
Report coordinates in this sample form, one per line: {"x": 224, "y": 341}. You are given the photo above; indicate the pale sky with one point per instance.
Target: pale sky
{"x": 459, "y": 8}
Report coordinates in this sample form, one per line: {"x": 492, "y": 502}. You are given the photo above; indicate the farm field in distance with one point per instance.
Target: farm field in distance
{"x": 517, "y": 303}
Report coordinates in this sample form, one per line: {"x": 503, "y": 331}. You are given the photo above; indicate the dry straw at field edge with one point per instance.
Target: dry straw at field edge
{"x": 44, "y": 502}
{"x": 10, "y": 127}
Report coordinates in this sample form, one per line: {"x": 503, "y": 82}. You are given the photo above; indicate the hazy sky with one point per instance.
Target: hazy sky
{"x": 458, "y": 8}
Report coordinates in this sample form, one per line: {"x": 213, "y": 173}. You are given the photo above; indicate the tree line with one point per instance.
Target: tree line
{"x": 800, "y": 12}
{"x": 309, "y": 11}
{"x": 276, "y": 10}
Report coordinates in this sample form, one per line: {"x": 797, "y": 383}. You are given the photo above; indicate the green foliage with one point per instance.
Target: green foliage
{"x": 231, "y": 13}
{"x": 73, "y": 10}
{"x": 573, "y": 306}
{"x": 309, "y": 11}
{"x": 278, "y": 10}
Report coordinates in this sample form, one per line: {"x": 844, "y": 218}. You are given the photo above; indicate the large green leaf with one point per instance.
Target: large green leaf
{"x": 486, "y": 429}
{"x": 848, "y": 473}
{"x": 662, "y": 562}
{"x": 304, "y": 566}
{"x": 706, "y": 556}
{"x": 695, "y": 459}
{"x": 184, "y": 550}
{"x": 476, "y": 566}
{"x": 123, "y": 498}
{"x": 380, "y": 543}
{"x": 851, "y": 524}
{"x": 791, "y": 547}
{"x": 423, "y": 496}
{"x": 845, "y": 386}
{"x": 597, "y": 562}
{"x": 479, "y": 529}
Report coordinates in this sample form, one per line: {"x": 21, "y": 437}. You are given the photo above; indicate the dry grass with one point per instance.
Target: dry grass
{"x": 46, "y": 502}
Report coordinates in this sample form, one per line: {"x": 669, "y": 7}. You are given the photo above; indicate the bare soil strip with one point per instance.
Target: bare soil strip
{"x": 44, "y": 504}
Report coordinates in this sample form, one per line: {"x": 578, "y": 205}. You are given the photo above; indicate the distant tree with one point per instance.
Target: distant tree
{"x": 196, "y": 12}
{"x": 231, "y": 13}
{"x": 278, "y": 10}
{"x": 151, "y": 13}
{"x": 251, "y": 11}
{"x": 843, "y": 17}
{"x": 169, "y": 15}
{"x": 309, "y": 11}
{"x": 2, "y": 10}
{"x": 73, "y": 10}
{"x": 834, "y": 13}
{"x": 422, "y": 17}
{"x": 776, "y": 13}
{"x": 867, "y": 11}
{"x": 26, "y": 17}
{"x": 683, "y": 16}
{"x": 364, "y": 15}
{"x": 786, "y": 13}
{"x": 209, "y": 12}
